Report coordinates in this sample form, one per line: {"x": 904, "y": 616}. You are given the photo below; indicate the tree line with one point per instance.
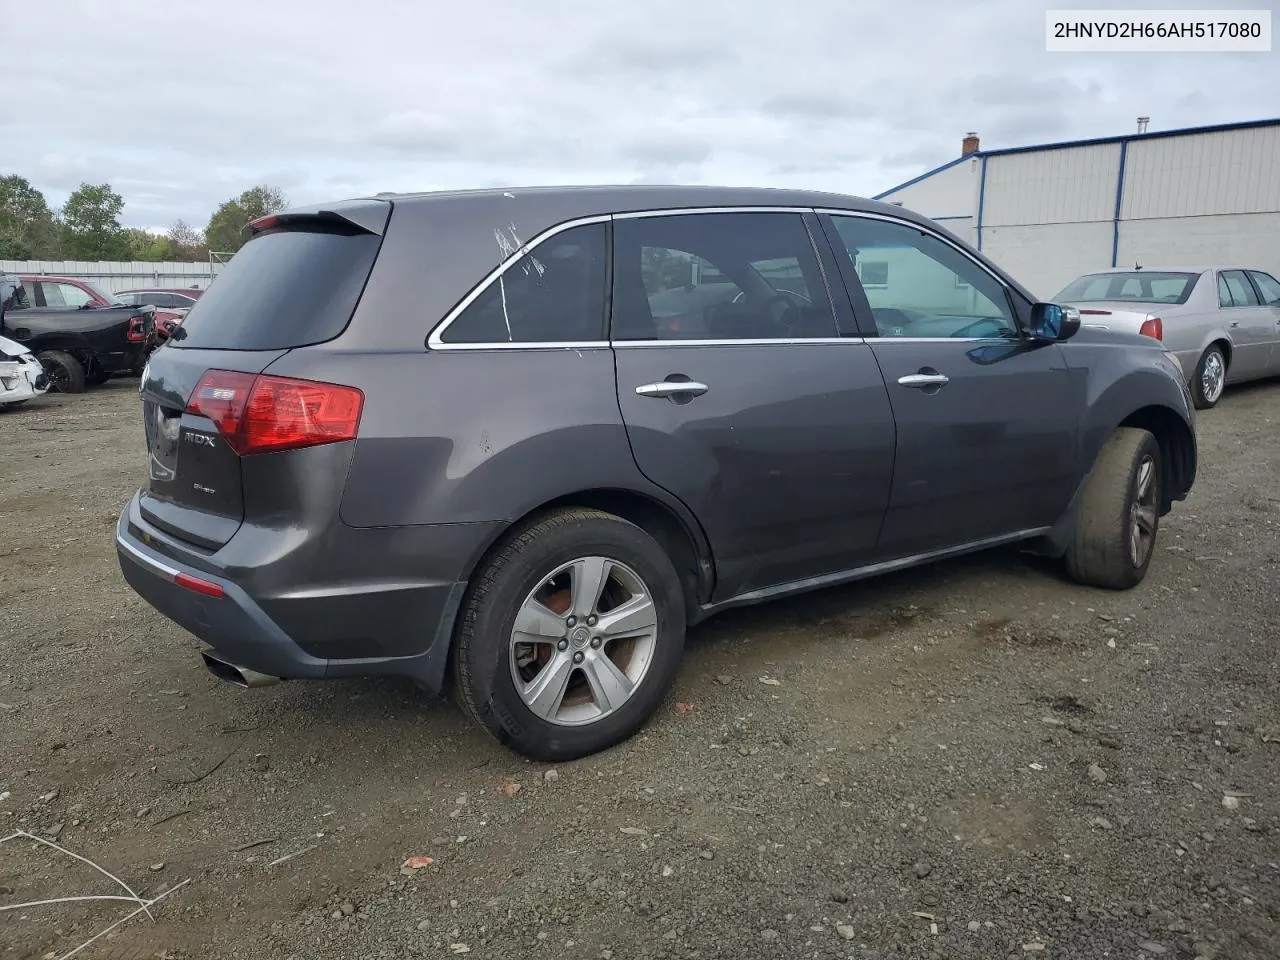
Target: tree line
{"x": 88, "y": 227}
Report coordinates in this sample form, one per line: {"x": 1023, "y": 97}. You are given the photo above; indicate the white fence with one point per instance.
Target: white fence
{"x": 114, "y": 276}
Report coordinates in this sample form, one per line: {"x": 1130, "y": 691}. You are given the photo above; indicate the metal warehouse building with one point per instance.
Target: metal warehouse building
{"x": 1171, "y": 197}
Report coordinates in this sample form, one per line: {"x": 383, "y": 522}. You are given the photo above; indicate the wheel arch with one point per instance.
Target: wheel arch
{"x": 679, "y": 534}
{"x": 1177, "y": 449}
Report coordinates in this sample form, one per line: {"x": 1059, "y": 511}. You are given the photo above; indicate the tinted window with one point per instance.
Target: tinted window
{"x": 926, "y": 287}
{"x": 283, "y": 289}
{"x": 1268, "y": 285}
{"x": 718, "y": 276}
{"x": 1137, "y": 285}
{"x": 128, "y": 299}
{"x": 1238, "y": 286}
{"x": 553, "y": 294}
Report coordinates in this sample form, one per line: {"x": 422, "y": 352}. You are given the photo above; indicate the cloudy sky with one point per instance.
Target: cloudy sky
{"x": 181, "y": 104}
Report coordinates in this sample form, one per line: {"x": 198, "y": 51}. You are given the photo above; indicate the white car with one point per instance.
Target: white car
{"x": 21, "y": 376}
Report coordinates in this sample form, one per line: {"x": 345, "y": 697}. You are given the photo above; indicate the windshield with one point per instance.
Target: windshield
{"x": 110, "y": 298}
{"x": 1139, "y": 286}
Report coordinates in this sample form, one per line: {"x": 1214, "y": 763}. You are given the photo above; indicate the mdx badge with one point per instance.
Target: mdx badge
{"x": 199, "y": 439}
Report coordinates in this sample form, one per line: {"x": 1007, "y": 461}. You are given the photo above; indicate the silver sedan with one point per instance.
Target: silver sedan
{"x": 1222, "y": 323}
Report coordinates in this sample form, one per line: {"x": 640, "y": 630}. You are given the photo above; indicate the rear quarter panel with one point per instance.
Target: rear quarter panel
{"x": 476, "y": 436}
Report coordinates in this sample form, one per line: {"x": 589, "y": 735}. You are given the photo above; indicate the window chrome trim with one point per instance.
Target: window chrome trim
{"x": 434, "y": 341}
{"x": 780, "y": 341}
{"x": 688, "y": 211}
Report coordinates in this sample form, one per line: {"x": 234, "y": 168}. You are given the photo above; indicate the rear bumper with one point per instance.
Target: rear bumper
{"x": 380, "y": 626}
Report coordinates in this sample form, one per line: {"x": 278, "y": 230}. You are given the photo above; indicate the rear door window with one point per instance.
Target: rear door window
{"x": 718, "y": 276}
{"x": 553, "y": 294}
{"x": 285, "y": 288}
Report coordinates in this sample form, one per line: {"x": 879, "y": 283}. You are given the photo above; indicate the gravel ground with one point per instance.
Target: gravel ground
{"x": 976, "y": 759}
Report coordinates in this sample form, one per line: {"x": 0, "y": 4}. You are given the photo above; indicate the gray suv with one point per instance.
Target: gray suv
{"x": 517, "y": 442}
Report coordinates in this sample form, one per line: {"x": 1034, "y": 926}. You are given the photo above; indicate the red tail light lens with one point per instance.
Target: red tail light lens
{"x": 264, "y": 414}
{"x": 137, "y": 331}
{"x": 1153, "y": 328}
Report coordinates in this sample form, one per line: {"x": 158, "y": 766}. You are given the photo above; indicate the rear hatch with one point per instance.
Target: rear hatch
{"x": 207, "y": 403}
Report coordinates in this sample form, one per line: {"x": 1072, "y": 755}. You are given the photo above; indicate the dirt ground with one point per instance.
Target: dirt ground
{"x": 976, "y": 759}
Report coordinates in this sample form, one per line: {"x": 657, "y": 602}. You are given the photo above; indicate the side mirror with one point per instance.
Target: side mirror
{"x": 1050, "y": 321}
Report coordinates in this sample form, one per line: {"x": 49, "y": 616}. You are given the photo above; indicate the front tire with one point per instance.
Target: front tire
{"x": 570, "y": 635}
{"x": 1210, "y": 378}
{"x": 1119, "y": 513}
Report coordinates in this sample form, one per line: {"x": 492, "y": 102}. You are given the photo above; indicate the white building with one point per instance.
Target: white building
{"x": 1171, "y": 197}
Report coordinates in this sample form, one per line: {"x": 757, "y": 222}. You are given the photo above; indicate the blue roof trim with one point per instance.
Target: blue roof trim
{"x": 1151, "y": 135}
{"x": 924, "y": 176}
{"x": 1095, "y": 141}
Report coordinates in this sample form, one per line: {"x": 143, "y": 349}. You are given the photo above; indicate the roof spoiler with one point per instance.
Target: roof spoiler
{"x": 367, "y": 216}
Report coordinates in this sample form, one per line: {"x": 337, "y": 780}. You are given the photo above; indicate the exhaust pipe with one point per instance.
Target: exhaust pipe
{"x": 240, "y": 676}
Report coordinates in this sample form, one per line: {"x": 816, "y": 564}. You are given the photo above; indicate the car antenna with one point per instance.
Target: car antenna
{"x": 1136, "y": 265}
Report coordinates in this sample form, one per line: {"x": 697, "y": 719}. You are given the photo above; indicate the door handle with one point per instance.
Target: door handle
{"x": 1235, "y": 323}
{"x": 670, "y": 388}
{"x": 922, "y": 380}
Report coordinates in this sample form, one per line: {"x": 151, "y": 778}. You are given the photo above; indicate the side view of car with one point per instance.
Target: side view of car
{"x": 499, "y": 443}
{"x": 1222, "y": 323}
{"x": 76, "y": 346}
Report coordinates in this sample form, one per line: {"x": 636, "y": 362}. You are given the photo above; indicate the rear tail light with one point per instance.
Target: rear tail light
{"x": 262, "y": 414}
{"x": 1153, "y": 327}
{"x": 137, "y": 329}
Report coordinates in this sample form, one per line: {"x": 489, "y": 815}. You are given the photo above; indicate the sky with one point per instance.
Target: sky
{"x": 181, "y": 105}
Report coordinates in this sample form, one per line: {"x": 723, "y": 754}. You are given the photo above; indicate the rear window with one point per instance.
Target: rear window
{"x": 1140, "y": 286}
{"x": 288, "y": 288}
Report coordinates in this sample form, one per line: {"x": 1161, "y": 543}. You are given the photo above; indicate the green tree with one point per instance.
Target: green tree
{"x": 91, "y": 224}
{"x": 147, "y": 246}
{"x": 187, "y": 243}
{"x": 28, "y": 230}
{"x": 226, "y": 230}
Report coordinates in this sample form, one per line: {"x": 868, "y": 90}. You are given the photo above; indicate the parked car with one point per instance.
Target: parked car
{"x": 392, "y": 440}
{"x": 171, "y": 304}
{"x": 1222, "y": 323}
{"x": 76, "y": 346}
{"x": 21, "y": 376}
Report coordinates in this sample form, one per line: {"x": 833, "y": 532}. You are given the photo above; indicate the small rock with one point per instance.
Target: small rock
{"x": 1097, "y": 774}
{"x": 929, "y": 900}
{"x": 974, "y": 926}
{"x": 1075, "y": 726}
{"x": 157, "y": 867}
{"x": 706, "y": 855}
{"x": 1035, "y": 946}
{"x": 634, "y": 831}
{"x": 1150, "y": 946}
{"x": 50, "y": 796}
{"x": 668, "y": 871}
{"x": 846, "y": 932}
{"x": 1052, "y": 722}
{"x": 551, "y": 776}
{"x": 424, "y": 925}
{"x": 55, "y": 831}
{"x": 769, "y": 935}
{"x": 1101, "y": 822}
{"x": 459, "y": 948}
{"x": 336, "y": 915}
{"x": 347, "y": 908}
{"x": 724, "y": 679}
{"x": 923, "y": 870}
{"x": 770, "y": 681}
{"x": 1231, "y": 803}
{"x": 839, "y": 896}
